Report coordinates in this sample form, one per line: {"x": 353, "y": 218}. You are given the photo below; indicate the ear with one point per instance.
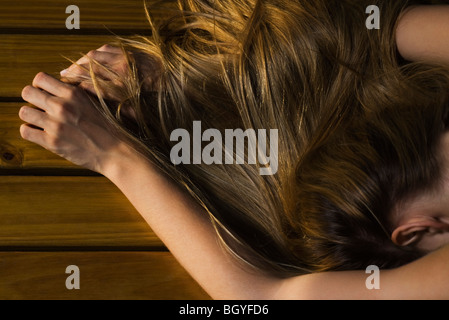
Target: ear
{"x": 417, "y": 229}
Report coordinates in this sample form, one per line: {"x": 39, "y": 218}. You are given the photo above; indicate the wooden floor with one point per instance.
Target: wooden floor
{"x": 54, "y": 214}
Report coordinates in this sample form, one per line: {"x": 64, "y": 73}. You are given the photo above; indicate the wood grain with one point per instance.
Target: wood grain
{"x": 103, "y": 276}
{"x": 69, "y": 212}
{"x": 50, "y": 222}
{"x": 23, "y": 56}
{"x": 97, "y": 14}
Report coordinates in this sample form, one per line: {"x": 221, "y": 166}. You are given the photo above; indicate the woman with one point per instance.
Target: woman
{"x": 300, "y": 67}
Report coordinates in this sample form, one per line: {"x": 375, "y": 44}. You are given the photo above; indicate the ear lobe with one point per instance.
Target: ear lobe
{"x": 407, "y": 234}
{"x": 412, "y": 231}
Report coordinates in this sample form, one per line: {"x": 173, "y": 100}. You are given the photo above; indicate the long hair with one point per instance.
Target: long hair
{"x": 342, "y": 100}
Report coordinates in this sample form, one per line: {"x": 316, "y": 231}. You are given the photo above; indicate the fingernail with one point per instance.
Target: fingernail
{"x": 64, "y": 72}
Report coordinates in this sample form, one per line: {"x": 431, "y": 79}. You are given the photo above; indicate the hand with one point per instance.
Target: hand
{"x": 68, "y": 124}
{"x": 108, "y": 64}
{"x": 112, "y": 64}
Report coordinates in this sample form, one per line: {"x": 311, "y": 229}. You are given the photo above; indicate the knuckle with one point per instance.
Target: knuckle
{"x": 64, "y": 112}
{"x": 68, "y": 95}
{"x": 59, "y": 110}
{"x": 72, "y": 93}
{"x": 58, "y": 129}
{"x": 92, "y": 54}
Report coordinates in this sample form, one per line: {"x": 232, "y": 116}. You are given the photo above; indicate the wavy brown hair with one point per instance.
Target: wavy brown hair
{"x": 357, "y": 125}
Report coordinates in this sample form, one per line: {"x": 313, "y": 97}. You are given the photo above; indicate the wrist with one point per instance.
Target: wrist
{"x": 119, "y": 165}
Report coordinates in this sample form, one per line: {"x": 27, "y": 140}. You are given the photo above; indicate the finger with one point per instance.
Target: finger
{"x": 37, "y": 97}
{"x": 33, "y": 116}
{"x": 89, "y": 87}
{"x": 109, "y": 48}
{"x": 82, "y": 71}
{"x": 33, "y": 135}
{"x": 102, "y": 57}
{"x": 51, "y": 85}
{"x": 105, "y": 94}
{"x": 94, "y": 55}
{"x": 78, "y": 73}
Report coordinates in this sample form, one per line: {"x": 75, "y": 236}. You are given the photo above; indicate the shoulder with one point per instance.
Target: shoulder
{"x": 342, "y": 285}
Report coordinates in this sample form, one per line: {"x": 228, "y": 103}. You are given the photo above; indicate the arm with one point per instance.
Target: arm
{"x": 73, "y": 129}
{"x": 423, "y": 279}
{"x": 423, "y": 34}
{"x": 185, "y": 229}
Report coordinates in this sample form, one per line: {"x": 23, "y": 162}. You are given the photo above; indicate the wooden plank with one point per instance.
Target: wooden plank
{"x": 23, "y": 56}
{"x": 102, "y": 275}
{"x": 69, "y": 212}
{"x": 98, "y": 14}
{"x": 17, "y": 153}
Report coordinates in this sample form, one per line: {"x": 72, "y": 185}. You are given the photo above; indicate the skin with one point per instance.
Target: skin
{"x": 111, "y": 56}
{"x": 416, "y": 34}
{"x": 71, "y": 128}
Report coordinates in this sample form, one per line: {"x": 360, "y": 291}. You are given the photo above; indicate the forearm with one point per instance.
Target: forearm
{"x": 71, "y": 127}
{"x": 423, "y": 279}
{"x": 423, "y": 34}
{"x": 185, "y": 229}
